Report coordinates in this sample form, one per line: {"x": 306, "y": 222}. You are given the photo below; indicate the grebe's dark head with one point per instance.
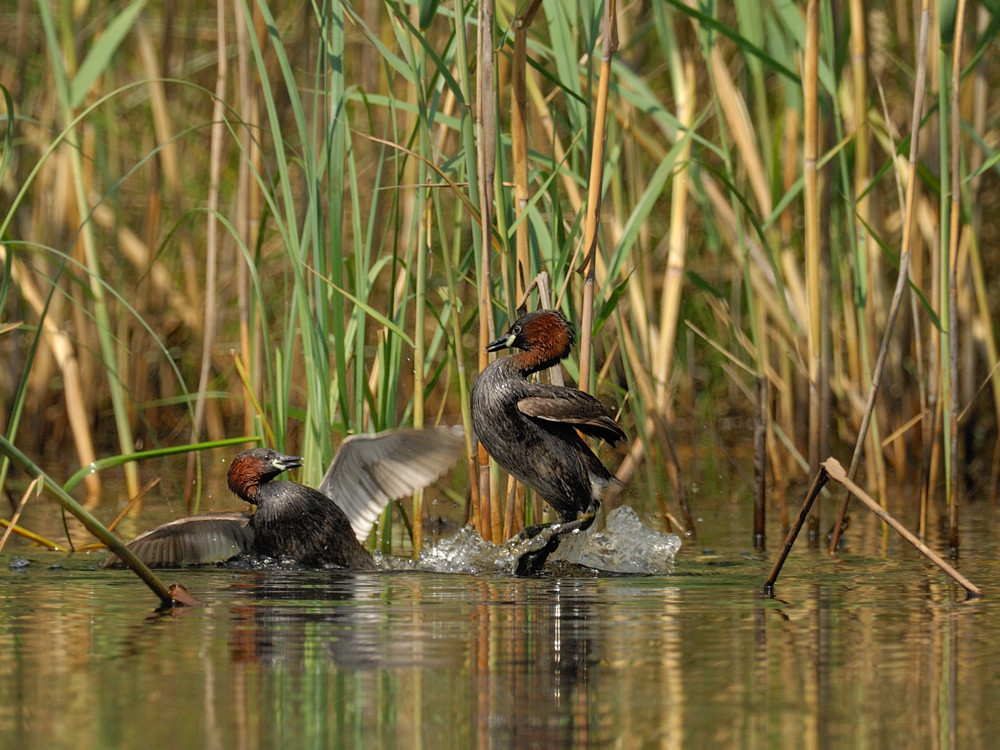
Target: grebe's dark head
{"x": 253, "y": 468}
{"x": 544, "y": 335}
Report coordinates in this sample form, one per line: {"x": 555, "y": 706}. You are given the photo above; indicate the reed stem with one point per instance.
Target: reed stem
{"x": 952, "y": 327}
{"x": 486, "y": 163}
{"x": 95, "y": 278}
{"x": 595, "y": 188}
{"x": 909, "y": 221}
{"x": 92, "y": 525}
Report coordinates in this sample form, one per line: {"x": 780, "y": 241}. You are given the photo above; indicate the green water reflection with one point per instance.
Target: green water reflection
{"x": 869, "y": 653}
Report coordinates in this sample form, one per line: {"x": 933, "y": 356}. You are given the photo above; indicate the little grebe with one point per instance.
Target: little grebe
{"x": 315, "y": 527}
{"x": 530, "y": 429}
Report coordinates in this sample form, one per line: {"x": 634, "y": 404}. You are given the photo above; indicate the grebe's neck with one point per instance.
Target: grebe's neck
{"x": 244, "y": 477}
{"x": 536, "y": 360}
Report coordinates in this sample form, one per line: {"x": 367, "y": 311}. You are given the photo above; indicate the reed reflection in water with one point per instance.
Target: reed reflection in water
{"x": 868, "y": 652}
{"x": 512, "y": 662}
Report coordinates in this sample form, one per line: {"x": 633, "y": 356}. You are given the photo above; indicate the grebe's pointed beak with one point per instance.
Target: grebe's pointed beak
{"x": 504, "y": 342}
{"x": 282, "y": 462}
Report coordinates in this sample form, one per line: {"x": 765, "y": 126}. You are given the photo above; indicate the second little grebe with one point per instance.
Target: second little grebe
{"x": 324, "y": 527}
{"x": 530, "y": 429}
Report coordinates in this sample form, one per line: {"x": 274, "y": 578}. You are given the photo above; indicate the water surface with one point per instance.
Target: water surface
{"x": 876, "y": 650}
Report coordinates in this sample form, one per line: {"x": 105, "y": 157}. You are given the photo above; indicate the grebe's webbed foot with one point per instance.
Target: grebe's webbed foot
{"x": 541, "y": 540}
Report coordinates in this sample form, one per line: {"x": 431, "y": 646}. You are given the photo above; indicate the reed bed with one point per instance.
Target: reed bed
{"x": 291, "y": 223}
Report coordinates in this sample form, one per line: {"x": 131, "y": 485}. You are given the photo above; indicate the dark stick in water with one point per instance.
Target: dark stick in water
{"x": 760, "y": 466}
{"x": 818, "y": 483}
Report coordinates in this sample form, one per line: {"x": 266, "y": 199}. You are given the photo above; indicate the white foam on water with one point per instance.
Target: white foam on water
{"x": 625, "y": 545}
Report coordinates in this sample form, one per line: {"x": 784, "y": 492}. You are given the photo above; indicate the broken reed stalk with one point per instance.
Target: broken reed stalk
{"x": 92, "y": 525}
{"x": 832, "y": 469}
{"x": 819, "y": 482}
{"x": 836, "y": 472}
{"x": 904, "y": 265}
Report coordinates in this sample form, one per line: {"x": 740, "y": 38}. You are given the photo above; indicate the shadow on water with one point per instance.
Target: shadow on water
{"x": 877, "y": 649}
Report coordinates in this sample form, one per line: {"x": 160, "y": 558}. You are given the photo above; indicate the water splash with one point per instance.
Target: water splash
{"x": 625, "y": 545}
{"x": 465, "y": 552}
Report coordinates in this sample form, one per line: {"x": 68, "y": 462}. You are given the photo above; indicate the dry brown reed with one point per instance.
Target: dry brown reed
{"x": 703, "y": 181}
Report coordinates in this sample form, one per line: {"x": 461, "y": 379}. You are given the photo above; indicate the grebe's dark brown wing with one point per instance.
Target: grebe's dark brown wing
{"x": 208, "y": 538}
{"x": 370, "y": 470}
{"x": 551, "y": 403}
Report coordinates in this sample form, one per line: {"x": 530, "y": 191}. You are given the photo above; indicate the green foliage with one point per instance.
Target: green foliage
{"x": 348, "y": 292}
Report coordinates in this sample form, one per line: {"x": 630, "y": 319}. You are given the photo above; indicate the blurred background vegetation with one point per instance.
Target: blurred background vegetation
{"x": 256, "y": 219}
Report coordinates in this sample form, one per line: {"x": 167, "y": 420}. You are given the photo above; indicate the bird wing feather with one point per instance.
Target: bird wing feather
{"x": 572, "y": 407}
{"x": 370, "y": 470}
{"x": 206, "y": 538}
